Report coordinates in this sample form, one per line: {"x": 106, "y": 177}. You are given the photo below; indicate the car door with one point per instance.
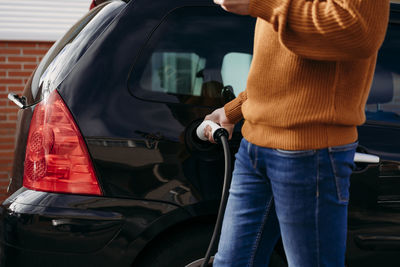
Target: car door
{"x": 374, "y": 214}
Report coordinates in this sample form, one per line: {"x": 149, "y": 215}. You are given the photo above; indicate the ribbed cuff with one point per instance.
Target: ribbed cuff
{"x": 263, "y": 8}
{"x": 233, "y": 110}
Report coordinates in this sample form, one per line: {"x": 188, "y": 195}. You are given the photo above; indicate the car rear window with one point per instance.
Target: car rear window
{"x": 193, "y": 55}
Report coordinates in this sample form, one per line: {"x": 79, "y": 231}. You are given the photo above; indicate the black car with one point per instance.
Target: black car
{"x": 107, "y": 170}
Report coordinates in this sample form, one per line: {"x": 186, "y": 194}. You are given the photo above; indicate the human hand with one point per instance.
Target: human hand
{"x": 218, "y": 116}
{"x": 240, "y": 7}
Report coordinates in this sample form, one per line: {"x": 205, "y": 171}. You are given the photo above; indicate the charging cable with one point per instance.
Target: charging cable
{"x": 220, "y": 135}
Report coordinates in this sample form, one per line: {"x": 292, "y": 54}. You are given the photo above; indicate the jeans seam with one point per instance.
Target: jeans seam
{"x": 253, "y": 160}
{"x": 255, "y": 157}
{"x": 317, "y": 183}
{"x": 258, "y": 238}
{"x": 338, "y": 192}
{"x": 317, "y": 213}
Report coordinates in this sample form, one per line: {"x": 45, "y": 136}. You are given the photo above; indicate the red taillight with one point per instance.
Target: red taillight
{"x": 92, "y": 5}
{"x": 56, "y": 157}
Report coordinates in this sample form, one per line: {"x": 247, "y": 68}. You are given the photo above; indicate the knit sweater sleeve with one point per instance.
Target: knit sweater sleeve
{"x": 326, "y": 29}
{"x": 233, "y": 109}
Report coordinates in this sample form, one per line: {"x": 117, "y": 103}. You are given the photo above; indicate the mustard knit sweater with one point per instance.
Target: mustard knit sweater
{"x": 311, "y": 73}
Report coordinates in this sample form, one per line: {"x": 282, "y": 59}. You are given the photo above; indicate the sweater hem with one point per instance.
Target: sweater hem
{"x": 315, "y": 136}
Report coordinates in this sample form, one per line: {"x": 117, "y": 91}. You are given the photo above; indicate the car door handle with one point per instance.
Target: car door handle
{"x": 365, "y": 158}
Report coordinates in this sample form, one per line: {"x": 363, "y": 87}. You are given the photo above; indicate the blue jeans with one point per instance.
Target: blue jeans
{"x": 301, "y": 196}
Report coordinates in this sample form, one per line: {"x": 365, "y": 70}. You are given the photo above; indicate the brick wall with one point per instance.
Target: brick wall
{"x": 17, "y": 61}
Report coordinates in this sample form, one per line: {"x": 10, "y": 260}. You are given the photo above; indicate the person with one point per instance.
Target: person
{"x": 309, "y": 80}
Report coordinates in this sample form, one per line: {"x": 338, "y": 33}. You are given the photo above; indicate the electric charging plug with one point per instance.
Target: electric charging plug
{"x": 216, "y": 131}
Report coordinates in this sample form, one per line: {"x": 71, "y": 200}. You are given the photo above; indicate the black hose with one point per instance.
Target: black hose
{"x": 224, "y": 199}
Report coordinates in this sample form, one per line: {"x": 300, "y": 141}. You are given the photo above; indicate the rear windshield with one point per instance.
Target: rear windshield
{"x": 57, "y": 64}
{"x": 197, "y": 55}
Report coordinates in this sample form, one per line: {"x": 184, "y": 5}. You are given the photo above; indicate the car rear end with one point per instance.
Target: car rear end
{"x": 91, "y": 179}
{"x": 59, "y": 215}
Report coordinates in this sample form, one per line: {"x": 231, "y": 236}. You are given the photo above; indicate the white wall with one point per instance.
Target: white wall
{"x": 39, "y": 20}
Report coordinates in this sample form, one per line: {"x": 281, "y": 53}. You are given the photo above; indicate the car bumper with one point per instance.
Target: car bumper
{"x": 47, "y": 229}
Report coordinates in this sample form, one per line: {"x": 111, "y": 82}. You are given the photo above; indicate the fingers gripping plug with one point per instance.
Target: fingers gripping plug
{"x": 216, "y": 131}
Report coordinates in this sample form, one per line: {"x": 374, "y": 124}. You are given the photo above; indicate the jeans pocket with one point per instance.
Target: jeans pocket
{"x": 294, "y": 153}
{"x": 342, "y": 160}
